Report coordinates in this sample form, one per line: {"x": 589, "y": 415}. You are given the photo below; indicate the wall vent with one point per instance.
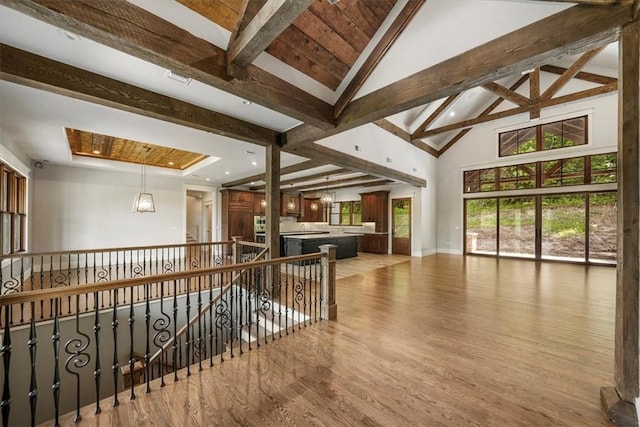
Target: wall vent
{"x": 177, "y": 77}
{"x": 332, "y": 1}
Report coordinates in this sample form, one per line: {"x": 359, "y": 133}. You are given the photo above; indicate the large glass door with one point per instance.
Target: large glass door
{"x": 517, "y": 226}
{"x": 564, "y": 227}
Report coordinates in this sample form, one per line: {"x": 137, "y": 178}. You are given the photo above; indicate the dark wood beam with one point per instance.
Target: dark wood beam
{"x": 522, "y": 49}
{"x": 436, "y": 114}
{"x": 338, "y": 158}
{"x": 484, "y": 112}
{"x": 406, "y": 136}
{"x": 394, "y": 31}
{"x": 271, "y": 20}
{"x": 588, "y": 93}
{"x": 364, "y": 184}
{"x": 35, "y": 71}
{"x": 308, "y": 164}
{"x": 620, "y": 401}
{"x": 570, "y": 73}
{"x": 507, "y": 93}
{"x": 123, "y": 26}
{"x": 306, "y": 178}
{"x": 393, "y": 129}
{"x": 534, "y": 93}
{"x": 582, "y": 75}
{"x": 321, "y": 185}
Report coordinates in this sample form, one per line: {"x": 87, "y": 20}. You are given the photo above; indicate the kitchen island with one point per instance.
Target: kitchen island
{"x": 309, "y": 243}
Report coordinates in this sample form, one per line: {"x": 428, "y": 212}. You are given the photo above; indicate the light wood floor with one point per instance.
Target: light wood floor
{"x": 439, "y": 341}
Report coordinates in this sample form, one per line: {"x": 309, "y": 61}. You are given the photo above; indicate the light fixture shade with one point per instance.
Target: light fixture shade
{"x": 327, "y": 198}
{"x": 263, "y": 203}
{"x": 314, "y": 206}
{"x": 143, "y": 203}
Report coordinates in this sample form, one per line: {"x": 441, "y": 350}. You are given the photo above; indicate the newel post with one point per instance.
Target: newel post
{"x": 236, "y": 249}
{"x": 329, "y": 309}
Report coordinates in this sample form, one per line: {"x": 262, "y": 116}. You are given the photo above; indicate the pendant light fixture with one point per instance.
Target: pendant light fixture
{"x": 291, "y": 205}
{"x": 327, "y": 197}
{"x": 143, "y": 201}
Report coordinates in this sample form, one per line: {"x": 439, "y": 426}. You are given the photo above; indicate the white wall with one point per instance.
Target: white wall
{"x": 78, "y": 208}
{"x": 479, "y": 149}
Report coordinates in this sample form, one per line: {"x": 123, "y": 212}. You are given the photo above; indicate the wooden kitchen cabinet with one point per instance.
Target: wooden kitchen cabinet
{"x": 375, "y": 208}
{"x": 290, "y": 204}
{"x": 258, "y": 204}
{"x": 308, "y": 213}
{"x": 375, "y": 243}
{"x": 237, "y": 214}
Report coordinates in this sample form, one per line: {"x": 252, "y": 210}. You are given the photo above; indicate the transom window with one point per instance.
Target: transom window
{"x": 591, "y": 169}
{"x": 549, "y": 136}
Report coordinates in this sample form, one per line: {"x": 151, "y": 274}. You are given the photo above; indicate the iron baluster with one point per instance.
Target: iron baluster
{"x": 41, "y": 286}
{"x": 132, "y": 361}
{"x": 5, "y": 404}
{"x": 273, "y": 296}
{"x": 33, "y": 385}
{"x": 160, "y": 325}
{"x": 22, "y": 289}
{"x": 240, "y": 323}
{"x": 199, "y": 341}
{"x": 188, "y": 338}
{"x": 211, "y": 352}
{"x": 56, "y": 366}
{"x": 280, "y": 302}
{"x": 115, "y": 365}
{"x": 174, "y": 346}
{"x": 147, "y": 323}
{"x": 286, "y": 298}
{"x": 97, "y": 372}
{"x": 78, "y": 358}
{"x": 230, "y": 326}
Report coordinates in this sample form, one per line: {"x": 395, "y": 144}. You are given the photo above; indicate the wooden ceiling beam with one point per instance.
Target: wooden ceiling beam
{"x": 378, "y": 52}
{"x": 522, "y": 49}
{"x": 534, "y": 93}
{"x": 307, "y": 164}
{"x": 581, "y": 75}
{"x": 323, "y": 185}
{"x": 364, "y": 184}
{"x": 588, "y": 93}
{"x": 506, "y": 93}
{"x": 338, "y": 158}
{"x": 569, "y": 73}
{"x": 406, "y": 136}
{"x": 35, "y": 71}
{"x": 436, "y": 114}
{"x": 484, "y": 112}
{"x": 271, "y": 20}
{"x": 307, "y": 178}
{"x": 126, "y": 27}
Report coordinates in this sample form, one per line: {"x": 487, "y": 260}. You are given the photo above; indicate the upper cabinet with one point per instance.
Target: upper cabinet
{"x": 237, "y": 214}
{"x": 311, "y": 211}
{"x": 259, "y": 204}
{"x": 375, "y": 208}
{"x": 290, "y": 204}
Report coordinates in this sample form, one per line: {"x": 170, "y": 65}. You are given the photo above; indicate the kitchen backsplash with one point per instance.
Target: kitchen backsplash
{"x": 287, "y": 226}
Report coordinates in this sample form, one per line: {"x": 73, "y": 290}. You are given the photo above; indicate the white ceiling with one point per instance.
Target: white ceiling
{"x": 34, "y": 120}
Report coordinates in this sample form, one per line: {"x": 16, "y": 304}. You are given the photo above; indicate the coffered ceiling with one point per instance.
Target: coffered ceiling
{"x": 306, "y": 75}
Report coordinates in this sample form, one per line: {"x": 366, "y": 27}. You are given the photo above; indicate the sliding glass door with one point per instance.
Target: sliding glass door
{"x": 568, "y": 226}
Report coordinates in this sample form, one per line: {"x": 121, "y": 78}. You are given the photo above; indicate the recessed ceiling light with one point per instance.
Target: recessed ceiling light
{"x": 96, "y": 151}
{"x": 227, "y": 172}
{"x": 246, "y": 102}
{"x": 171, "y": 163}
{"x": 252, "y": 182}
{"x": 207, "y": 179}
{"x": 254, "y": 163}
{"x": 451, "y": 114}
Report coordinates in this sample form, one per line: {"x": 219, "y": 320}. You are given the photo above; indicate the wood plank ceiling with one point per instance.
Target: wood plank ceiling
{"x": 324, "y": 42}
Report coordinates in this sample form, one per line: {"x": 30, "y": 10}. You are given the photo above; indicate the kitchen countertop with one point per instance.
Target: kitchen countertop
{"x": 322, "y": 236}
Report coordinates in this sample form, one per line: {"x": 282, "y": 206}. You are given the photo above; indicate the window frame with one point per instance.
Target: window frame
{"x": 13, "y": 194}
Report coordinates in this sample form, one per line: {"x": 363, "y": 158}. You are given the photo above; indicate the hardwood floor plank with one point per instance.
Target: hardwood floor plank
{"x": 443, "y": 340}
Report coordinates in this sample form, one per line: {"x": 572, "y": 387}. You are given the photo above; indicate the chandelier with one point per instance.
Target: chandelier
{"x": 327, "y": 197}
{"x": 143, "y": 202}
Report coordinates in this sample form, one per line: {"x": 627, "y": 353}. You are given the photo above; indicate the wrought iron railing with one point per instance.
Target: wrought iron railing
{"x": 31, "y": 271}
{"x": 88, "y": 354}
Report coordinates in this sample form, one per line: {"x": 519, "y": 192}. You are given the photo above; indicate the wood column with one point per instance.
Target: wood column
{"x": 619, "y": 400}
{"x": 236, "y": 249}
{"x": 272, "y": 210}
{"x": 328, "y": 307}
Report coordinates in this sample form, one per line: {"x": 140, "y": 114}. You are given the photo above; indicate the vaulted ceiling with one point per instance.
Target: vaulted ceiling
{"x": 297, "y": 74}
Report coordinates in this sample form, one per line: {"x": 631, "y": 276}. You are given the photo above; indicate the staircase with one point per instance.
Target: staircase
{"x": 190, "y": 238}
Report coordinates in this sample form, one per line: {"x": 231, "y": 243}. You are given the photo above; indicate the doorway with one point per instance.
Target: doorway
{"x": 401, "y": 226}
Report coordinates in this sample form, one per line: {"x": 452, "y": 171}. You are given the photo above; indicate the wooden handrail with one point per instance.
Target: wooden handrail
{"x": 203, "y": 310}
{"x": 129, "y": 248}
{"x": 253, "y": 244}
{"x": 45, "y": 294}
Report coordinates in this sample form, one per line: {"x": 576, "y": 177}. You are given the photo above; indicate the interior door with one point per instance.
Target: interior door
{"x": 401, "y": 226}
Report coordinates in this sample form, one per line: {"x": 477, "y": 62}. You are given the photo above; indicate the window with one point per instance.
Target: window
{"x": 593, "y": 169}
{"x": 12, "y": 210}
{"x": 560, "y": 134}
{"x": 346, "y": 213}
